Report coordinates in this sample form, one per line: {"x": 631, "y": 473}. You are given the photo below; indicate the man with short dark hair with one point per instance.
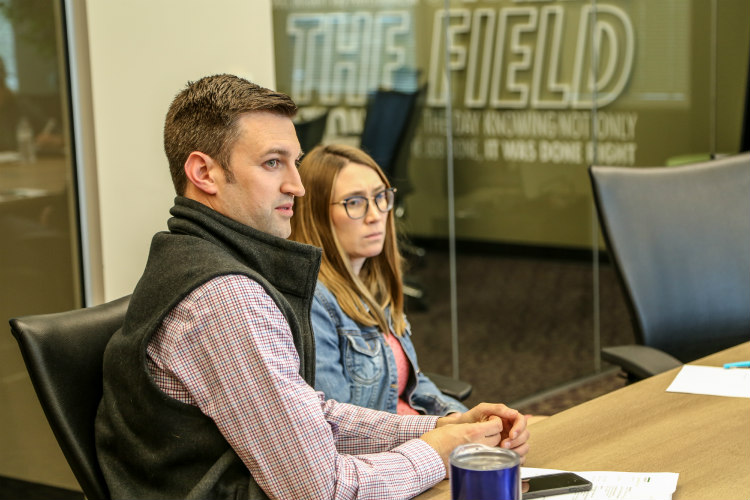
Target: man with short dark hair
{"x": 208, "y": 385}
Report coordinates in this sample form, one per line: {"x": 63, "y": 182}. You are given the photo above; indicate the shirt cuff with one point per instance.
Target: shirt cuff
{"x": 428, "y": 466}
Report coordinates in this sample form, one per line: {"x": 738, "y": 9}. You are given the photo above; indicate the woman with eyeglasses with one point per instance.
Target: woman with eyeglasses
{"x": 364, "y": 354}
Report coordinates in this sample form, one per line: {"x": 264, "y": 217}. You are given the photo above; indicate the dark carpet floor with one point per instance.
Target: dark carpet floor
{"x": 569, "y": 395}
{"x": 526, "y": 324}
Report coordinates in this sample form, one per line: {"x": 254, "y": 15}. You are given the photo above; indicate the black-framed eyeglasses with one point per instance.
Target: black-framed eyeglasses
{"x": 357, "y": 206}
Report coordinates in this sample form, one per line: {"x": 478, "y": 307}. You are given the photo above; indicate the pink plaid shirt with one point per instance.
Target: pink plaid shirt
{"x": 227, "y": 349}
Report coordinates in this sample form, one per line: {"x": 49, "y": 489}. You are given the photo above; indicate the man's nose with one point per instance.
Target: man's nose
{"x": 293, "y": 183}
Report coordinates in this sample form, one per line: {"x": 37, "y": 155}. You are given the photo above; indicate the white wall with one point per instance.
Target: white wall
{"x": 141, "y": 53}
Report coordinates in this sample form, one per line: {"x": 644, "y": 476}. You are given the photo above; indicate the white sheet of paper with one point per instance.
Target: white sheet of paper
{"x": 712, "y": 380}
{"x": 617, "y": 485}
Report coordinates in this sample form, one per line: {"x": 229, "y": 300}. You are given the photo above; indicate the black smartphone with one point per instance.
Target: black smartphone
{"x": 555, "y": 484}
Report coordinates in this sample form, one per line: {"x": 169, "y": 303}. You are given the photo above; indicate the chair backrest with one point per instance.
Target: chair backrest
{"x": 391, "y": 119}
{"x": 680, "y": 240}
{"x": 63, "y": 353}
{"x": 310, "y": 132}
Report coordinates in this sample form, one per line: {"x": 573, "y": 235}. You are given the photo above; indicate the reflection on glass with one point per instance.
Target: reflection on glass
{"x": 39, "y": 253}
{"x": 38, "y": 258}
{"x": 539, "y": 90}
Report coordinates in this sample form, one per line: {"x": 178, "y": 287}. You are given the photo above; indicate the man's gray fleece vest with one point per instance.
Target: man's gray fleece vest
{"x": 150, "y": 445}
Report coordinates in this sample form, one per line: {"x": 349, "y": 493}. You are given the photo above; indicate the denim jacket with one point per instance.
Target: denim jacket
{"x": 355, "y": 365}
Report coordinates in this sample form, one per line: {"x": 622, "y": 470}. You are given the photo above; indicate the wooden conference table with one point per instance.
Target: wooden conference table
{"x": 642, "y": 428}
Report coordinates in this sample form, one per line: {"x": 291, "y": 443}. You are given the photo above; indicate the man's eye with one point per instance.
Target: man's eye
{"x": 272, "y": 163}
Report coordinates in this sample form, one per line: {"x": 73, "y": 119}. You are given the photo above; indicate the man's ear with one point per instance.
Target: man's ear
{"x": 201, "y": 171}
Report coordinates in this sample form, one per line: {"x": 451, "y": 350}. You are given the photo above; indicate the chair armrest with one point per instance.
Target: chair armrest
{"x": 640, "y": 361}
{"x": 453, "y": 387}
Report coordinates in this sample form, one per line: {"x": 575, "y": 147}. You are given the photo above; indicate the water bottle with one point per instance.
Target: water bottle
{"x": 25, "y": 138}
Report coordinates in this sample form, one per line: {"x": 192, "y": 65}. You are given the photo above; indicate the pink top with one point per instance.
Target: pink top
{"x": 402, "y": 368}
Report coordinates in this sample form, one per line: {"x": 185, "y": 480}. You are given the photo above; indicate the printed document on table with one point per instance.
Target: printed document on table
{"x": 617, "y": 485}
{"x": 712, "y": 380}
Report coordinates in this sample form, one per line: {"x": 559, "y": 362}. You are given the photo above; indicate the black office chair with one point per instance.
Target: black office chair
{"x": 310, "y": 131}
{"x": 679, "y": 238}
{"x": 63, "y": 354}
{"x": 391, "y": 119}
{"x": 453, "y": 387}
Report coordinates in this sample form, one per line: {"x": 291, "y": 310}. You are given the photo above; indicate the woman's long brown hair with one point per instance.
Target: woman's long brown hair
{"x": 365, "y": 297}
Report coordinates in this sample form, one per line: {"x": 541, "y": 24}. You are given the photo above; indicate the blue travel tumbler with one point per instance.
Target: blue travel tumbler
{"x": 480, "y": 472}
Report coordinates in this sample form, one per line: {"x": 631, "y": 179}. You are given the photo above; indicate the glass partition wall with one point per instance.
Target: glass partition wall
{"x": 510, "y": 284}
{"x": 39, "y": 255}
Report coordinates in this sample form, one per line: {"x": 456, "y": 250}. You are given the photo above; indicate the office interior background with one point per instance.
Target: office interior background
{"x": 513, "y": 289}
